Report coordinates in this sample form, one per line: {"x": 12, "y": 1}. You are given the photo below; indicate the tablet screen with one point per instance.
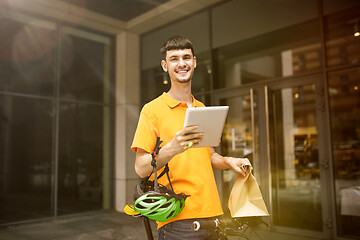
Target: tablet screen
{"x": 211, "y": 122}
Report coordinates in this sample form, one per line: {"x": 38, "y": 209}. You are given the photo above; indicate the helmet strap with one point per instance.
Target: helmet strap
{"x": 167, "y": 174}
{"x": 153, "y": 162}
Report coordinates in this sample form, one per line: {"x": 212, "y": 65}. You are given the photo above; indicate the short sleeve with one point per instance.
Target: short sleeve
{"x": 145, "y": 134}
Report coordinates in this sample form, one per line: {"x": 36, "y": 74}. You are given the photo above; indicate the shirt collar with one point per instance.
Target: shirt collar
{"x": 173, "y": 103}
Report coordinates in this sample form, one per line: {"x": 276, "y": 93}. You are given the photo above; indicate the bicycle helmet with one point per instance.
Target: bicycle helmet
{"x": 161, "y": 205}
{"x": 155, "y": 201}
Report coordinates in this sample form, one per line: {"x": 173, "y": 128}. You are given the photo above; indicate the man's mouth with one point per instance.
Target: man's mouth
{"x": 183, "y": 71}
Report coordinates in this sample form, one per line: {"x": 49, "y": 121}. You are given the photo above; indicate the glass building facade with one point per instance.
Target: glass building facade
{"x": 56, "y": 112}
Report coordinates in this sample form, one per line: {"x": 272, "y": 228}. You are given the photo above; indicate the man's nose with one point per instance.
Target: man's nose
{"x": 181, "y": 62}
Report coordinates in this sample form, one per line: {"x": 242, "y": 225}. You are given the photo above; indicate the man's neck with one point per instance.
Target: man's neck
{"x": 181, "y": 93}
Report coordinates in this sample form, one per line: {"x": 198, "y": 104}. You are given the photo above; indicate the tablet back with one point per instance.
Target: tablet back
{"x": 211, "y": 122}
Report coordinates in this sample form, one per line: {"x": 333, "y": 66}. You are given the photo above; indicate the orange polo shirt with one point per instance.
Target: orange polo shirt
{"x": 191, "y": 171}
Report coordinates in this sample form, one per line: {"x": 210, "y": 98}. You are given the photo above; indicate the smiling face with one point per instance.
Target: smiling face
{"x": 180, "y": 64}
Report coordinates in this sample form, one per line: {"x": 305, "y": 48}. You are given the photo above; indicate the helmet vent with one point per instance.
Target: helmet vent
{"x": 154, "y": 212}
{"x": 169, "y": 216}
{"x": 155, "y": 206}
{"x": 140, "y": 206}
{"x": 150, "y": 200}
{"x": 166, "y": 205}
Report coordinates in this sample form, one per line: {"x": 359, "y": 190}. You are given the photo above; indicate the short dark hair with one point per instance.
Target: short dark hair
{"x": 176, "y": 43}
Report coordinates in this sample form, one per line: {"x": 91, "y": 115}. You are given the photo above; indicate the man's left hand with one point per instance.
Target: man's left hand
{"x": 240, "y": 165}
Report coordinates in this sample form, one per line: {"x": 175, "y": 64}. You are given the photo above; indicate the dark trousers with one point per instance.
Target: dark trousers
{"x": 181, "y": 230}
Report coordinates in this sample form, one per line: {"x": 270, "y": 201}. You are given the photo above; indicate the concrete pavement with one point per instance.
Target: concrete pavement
{"x": 105, "y": 225}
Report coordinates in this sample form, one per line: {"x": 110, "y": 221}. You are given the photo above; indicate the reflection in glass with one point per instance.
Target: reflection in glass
{"x": 290, "y": 51}
{"x": 83, "y": 157}
{"x": 154, "y": 82}
{"x": 237, "y": 138}
{"x": 294, "y": 158}
{"x": 344, "y": 92}
{"x": 25, "y": 158}
{"x": 27, "y": 56}
{"x": 204, "y": 98}
{"x": 84, "y": 72}
{"x": 31, "y": 49}
{"x": 342, "y": 47}
{"x": 202, "y": 74}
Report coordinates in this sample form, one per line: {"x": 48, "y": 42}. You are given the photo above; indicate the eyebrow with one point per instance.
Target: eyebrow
{"x": 185, "y": 55}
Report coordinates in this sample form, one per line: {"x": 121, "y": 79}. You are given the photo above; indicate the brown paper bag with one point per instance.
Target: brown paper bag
{"x": 245, "y": 198}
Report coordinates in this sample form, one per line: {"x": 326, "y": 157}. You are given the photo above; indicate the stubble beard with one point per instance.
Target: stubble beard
{"x": 184, "y": 79}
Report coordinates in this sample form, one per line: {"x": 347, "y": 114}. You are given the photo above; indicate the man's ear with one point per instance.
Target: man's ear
{"x": 195, "y": 62}
{"x": 164, "y": 65}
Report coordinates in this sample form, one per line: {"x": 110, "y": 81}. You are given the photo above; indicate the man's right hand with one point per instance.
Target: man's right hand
{"x": 184, "y": 139}
{"x": 177, "y": 145}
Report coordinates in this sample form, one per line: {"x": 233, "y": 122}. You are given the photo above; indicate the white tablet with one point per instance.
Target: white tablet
{"x": 211, "y": 122}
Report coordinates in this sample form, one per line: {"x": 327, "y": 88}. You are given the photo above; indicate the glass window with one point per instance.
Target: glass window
{"x": 201, "y": 81}
{"x": 204, "y": 98}
{"x": 85, "y": 72}
{"x": 295, "y": 158}
{"x": 235, "y": 21}
{"x": 26, "y": 150}
{"x": 344, "y": 92}
{"x": 252, "y": 45}
{"x": 28, "y": 49}
{"x": 83, "y": 157}
{"x": 31, "y": 49}
{"x": 342, "y": 32}
{"x": 154, "y": 82}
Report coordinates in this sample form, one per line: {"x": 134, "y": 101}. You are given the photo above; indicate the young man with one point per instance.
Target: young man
{"x": 191, "y": 169}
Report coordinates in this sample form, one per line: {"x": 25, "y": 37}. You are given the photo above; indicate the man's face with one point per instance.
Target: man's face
{"x": 180, "y": 64}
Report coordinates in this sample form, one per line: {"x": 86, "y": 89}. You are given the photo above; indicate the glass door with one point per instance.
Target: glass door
{"x": 279, "y": 128}
{"x": 299, "y": 182}
{"x": 344, "y": 105}
{"x": 294, "y": 152}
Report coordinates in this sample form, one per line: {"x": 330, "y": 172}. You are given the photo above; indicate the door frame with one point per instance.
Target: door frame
{"x": 327, "y": 197}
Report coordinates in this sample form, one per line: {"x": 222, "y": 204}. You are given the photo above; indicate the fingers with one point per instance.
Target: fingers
{"x": 241, "y": 165}
{"x": 187, "y": 130}
{"x": 239, "y": 169}
{"x": 245, "y": 165}
{"x": 190, "y": 132}
{"x": 188, "y": 135}
{"x": 246, "y": 162}
{"x": 185, "y": 139}
{"x": 193, "y": 137}
{"x": 244, "y": 169}
{"x": 186, "y": 144}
